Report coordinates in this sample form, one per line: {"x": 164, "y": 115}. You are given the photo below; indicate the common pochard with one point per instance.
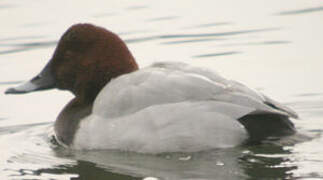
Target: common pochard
{"x": 166, "y": 107}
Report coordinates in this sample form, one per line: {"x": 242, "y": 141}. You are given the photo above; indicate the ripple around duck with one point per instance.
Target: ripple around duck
{"x": 267, "y": 162}
{"x": 17, "y": 128}
{"x": 167, "y": 165}
{"x": 307, "y": 104}
{"x": 80, "y": 170}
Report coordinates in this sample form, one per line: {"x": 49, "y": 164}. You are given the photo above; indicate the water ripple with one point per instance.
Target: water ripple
{"x": 27, "y": 46}
{"x": 39, "y": 44}
{"x": 193, "y": 41}
{"x": 143, "y": 39}
{"x": 17, "y": 128}
{"x": 21, "y": 38}
{"x": 269, "y": 160}
{"x": 302, "y": 11}
{"x": 82, "y": 169}
{"x": 217, "y": 54}
{"x": 163, "y": 18}
{"x": 9, "y": 82}
{"x": 207, "y": 25}
{"x": 230, "y": 33}
{"x": 258, "y": 43}
{"x": 204, "y": 36}
{"x": 15, "y": 50}
{"x": 309, "y": 94}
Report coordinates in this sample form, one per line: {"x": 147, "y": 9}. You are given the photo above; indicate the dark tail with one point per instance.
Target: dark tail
{"x": 261, "y": 125}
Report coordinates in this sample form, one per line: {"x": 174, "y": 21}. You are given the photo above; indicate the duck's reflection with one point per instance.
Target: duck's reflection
{"x": 267, "y": 161}
{"x": 245, "y": 162}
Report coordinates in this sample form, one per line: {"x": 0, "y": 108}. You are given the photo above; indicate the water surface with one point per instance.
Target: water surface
{"x": 273, "y": 46}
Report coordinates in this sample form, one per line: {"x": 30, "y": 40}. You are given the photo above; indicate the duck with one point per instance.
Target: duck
{"x": 164, "y": 107}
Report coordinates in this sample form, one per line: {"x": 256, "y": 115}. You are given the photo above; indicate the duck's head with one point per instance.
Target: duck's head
{"x": 86, "y": 58}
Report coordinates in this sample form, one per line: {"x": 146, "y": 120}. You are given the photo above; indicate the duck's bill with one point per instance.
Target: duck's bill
{"x": 27, "y": 87}
{"x": 42, "y": 81}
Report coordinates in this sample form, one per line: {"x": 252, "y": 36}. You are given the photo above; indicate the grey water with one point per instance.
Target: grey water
{"x": 273, "y": 46}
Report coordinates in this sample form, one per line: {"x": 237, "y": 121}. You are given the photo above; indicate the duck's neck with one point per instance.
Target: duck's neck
{"x": 78, "y": 108}
{"x": 68, "y": 120}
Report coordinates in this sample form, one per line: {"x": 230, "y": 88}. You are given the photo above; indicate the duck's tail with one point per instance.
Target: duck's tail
{"x": 262, "y": 125}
